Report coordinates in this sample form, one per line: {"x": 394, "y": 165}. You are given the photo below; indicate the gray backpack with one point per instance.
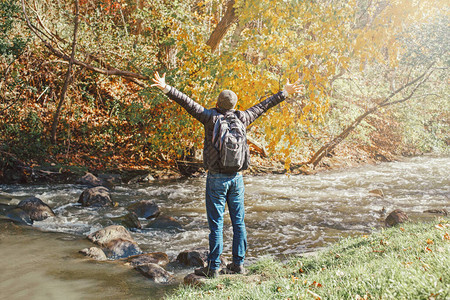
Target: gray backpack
{"x": 230, "y": 140}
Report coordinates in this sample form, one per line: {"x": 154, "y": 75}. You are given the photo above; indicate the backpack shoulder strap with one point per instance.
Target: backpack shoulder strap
{"x": 219, "y": 131}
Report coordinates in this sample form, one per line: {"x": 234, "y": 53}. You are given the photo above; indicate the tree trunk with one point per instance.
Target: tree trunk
{"x": 68, "y": 78}
{"x": 223, "y": 26}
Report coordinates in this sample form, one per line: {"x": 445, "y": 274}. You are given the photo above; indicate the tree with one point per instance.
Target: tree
{"x": 421, "y": 51}
{"x": 249, "y": 46}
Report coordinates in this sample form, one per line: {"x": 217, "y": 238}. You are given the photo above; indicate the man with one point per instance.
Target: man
{"x": 222, "y": 186}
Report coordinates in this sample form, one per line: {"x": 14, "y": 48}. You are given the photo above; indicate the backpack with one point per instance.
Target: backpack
{"x": 230, "y": 140}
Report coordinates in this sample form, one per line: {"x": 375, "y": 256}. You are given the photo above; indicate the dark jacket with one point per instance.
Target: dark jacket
{"x": 208, "y": 117}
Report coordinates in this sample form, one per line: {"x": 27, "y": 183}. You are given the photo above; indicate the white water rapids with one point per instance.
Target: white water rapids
{"x": 285, "y": 215}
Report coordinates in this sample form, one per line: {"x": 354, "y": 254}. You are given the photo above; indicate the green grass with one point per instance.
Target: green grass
{"x": 411, "y": 261}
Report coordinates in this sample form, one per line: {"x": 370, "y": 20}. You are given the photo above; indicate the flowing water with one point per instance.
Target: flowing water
{"x": 285, "y": 215}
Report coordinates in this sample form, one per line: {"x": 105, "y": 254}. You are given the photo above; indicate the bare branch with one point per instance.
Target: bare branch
{"x": 411, "y": 93}
{"x": 68, "y": 78}
{"x": 327, "y": 148}
{"x": 108, "y": 70}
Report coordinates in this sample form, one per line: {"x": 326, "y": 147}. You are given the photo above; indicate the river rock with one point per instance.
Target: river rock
{"x": 443, "y": 211}
{"x": 129, "y": 221}
{"x": 194, "y": 280}
{"x": 155, "y": 273}
{"x": 94, "y": 252}
{"x": 142, "y": 178}
{"x": 116, "y": 241}
{"x": 145, "y": 209}
{"x": 396, "y": 217}
{"x": 95, "y": 197}
{"x": 20, "y": 216}
{"x": 119, "y": 248}
{"x": 164, "y": 222}
{"x": 158, "y": 258}
{"x": 107, "y": 234}
{"x": 91, "y": 180}
{"x": 193, "y": 258}
{"x": 36, "y": 209}
{"x": 377, "y": 193}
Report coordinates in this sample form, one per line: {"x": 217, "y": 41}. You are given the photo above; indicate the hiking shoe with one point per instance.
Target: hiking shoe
{"x": 207, "y": 272}
{"x": 236, "y": 269}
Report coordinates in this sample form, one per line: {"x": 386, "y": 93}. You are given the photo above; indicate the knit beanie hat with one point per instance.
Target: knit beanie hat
{"x": 227, "y": 99}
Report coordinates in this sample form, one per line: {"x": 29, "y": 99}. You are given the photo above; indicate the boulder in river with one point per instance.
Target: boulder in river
{"x": 158, "y": 258}
{"x": 119, "y": 248}
{"x": 142, "y": 178}
{"x": 396, "y": 217}
{"x": 107, "y": 234}
{"x": 116, "y": 242}
{"x": 145, "y": 209}
{"x": 94, "y": 252}
{"x": 91, "y": 180}
{"x": 155, "y": 273}
{"x": 130, "y": 221}
{"x": 193, "y": 258}
{"x": 95, "y": 197}
{"x": 36, "y": 209}
{"x": 377, "y": 193}
{"x": 164, "y": 222}
{"x": 20, "y": 216}
{"x": 442, "y": 211}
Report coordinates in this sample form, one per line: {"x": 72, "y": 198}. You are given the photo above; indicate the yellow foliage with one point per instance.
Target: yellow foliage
{"x": 307, "y": 40}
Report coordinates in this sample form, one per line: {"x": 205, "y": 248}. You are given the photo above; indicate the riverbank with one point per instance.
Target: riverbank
{"x": 405, "y": 262}
{"x": 347, "y": 156}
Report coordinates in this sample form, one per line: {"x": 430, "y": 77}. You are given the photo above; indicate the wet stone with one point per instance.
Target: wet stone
{"x": 158, "y": 258}
{"x": 155, "y": 273}
{"x": 94, "y": 252}
{"x": 164, "y": 222}
{"x": 193, "y": 258}
{"x": 377, "y": 193}
{"x": 396, "y": 217}
{"x": 129, "y": 221}
{"x": 36, "y": 209}
{"x": 110, "y": 233}
{"x": 20, "y": 216}
{"x": 145, "y": 209}
{"x": 90, "y": 180}
{"x": 117, "y": 249}
{"x": 443, "y": 211}
{"x": 95, "y": 197}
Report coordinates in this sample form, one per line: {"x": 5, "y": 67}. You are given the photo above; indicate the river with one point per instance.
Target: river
{"x": 285, "y": 215}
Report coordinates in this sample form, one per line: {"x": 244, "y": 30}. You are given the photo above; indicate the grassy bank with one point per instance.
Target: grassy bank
{"x": 411, "y": 261}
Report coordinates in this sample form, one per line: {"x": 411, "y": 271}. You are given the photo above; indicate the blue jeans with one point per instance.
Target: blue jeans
{"x": 221, "y": 189}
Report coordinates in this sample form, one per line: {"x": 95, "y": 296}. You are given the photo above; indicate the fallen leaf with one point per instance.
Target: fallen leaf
{"x": 446, "y": 236}
{"x": 316, "y": 284}
{"x": 430, "y": 242}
